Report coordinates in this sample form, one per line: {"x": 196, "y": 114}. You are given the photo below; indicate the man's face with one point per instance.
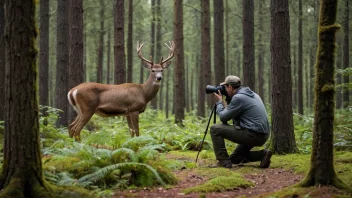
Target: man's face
{"x": 230, "y": 90}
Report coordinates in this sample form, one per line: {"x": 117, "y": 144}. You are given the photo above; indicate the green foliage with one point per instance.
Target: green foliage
{"x": 101, "y": 173}
{"x": 345, "y": 72}
{"x": 49, "y": 133}
{"x": 108, "y": 158}
{"x": 303, "y": 132}
{"x": 342, "y": 130}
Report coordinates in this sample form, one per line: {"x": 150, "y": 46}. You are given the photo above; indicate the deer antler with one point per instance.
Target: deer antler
{"x": 171, "y": 46}
{"x": 140, "y": 55}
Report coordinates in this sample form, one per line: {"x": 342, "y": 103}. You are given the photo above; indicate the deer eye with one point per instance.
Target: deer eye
{"x": 153, "y": 70}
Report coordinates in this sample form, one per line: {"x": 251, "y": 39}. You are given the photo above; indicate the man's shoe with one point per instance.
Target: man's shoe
{"x": 265, "y": 163}
{"x": 225, "y": 163}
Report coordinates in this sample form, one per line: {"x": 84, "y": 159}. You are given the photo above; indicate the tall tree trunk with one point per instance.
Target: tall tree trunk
{"x": 167, "y": 95}
{"x": 205, "y": 68}
{"x": 339, "y": 90}
{"x": 248, "y": 44}
{"x": 119, "y": 45}
{"x": 283, "y": 137}
{"x": 227, "y": 38}
{"x": 101, "y": 43}
{"x": 313, "y": 53}
{"x": 158, "y": 38}
{"x": 200, "y": 69}
{"x": 76, "y": 72}
{"x": 62, "y": 61}
{"x": 300, "y": 60}
{"x": 129, "y": 42}
{"x": 44, "y": 56}
{"x": 322, "y": 170}
{"x": 2, "y": 62}
{"x": 219, "y": 57}
{"x": 346, "y": 56}
{"x": 22, "y": 169}
{"x": 294, "y": 78}
{"x": 154, "y": 102}
{"x": 261, "y": 52}
{"x": 179, "y": 102}
{"x": 187, "y": 85}
{"x": 108, "y": 57}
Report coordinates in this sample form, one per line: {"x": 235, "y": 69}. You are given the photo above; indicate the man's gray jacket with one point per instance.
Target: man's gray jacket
{"x": 246, "y": 109}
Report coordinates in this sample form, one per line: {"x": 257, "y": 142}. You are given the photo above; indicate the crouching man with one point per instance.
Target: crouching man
{"x": 250, "y": 128}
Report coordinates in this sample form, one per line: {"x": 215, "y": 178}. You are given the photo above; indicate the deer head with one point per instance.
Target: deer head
{"x": 157, "y": 69}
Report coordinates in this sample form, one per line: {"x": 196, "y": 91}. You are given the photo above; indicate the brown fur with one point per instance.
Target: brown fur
{"x": 128, "y": 99}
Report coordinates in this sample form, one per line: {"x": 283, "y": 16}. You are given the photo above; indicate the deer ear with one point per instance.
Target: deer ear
{"x": 147, "y": 65}
{"x": 166, "y": 65}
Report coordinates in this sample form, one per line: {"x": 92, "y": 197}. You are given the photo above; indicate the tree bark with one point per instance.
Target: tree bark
{"x": 339, "y": 59}
{"x": 62, "y": 61}
{"x": 219, "y": 56}
{"x": 179, "y": 77}
{"x": 119, "y": 46}
{"x": 261, "y": 52}
{"x": 154, "y": 102}
{"x": 322, "y": 170}
{"x": 22, "y": 168}
{"x": 2, "y": 62}
{"x": 346, "y": 56}
{"x": 300, "y": 60}
{"x": 76, "y": 71}
{"x": 108, "y": 57}
{"x": 101, "y": 43}
{"x": 248, "y": 44}
{"x": 44, "y": 56}
{"x": 202, "y": 65}
{"x": 158, "y": 38}
{"x": 205, "y": 68}
{"x": 282, "y": 138}
{"x": 129, "y": 42}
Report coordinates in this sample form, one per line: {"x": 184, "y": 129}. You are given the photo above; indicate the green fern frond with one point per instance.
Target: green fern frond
{"x": 145, "y": 155}
{"x": 137, "y": 142}
{"x": 65, "y": 179}
{"x": 51, "y": 177}
{"x": 124, "y": 155}
{"x": 101, "y": 173}
{"x": 158, "y": 147}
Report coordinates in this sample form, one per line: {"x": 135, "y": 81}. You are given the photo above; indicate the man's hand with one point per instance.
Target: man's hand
{"x": 218, "y": 96}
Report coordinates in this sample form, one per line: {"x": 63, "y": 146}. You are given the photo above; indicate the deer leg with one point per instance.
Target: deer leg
{"x": 133, "y": 124}
{"x": 78, "y": 117}
{"x": 78, "y": 124}
{"x": 74, "y": 123}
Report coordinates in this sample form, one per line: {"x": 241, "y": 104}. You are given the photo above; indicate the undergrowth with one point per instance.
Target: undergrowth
{"x": 108, "y": 158}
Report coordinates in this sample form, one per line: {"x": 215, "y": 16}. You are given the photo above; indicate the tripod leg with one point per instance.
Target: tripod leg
{"x": 205, "y": 132}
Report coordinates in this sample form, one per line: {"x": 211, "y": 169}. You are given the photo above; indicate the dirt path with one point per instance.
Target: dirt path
{"x": 268, "y": 180}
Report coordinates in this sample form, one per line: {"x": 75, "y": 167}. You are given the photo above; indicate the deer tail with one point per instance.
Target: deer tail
{"x": 71, "y": 96}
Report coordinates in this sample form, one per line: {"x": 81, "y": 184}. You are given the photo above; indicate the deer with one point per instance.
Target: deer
{"x": 127, "y": 99}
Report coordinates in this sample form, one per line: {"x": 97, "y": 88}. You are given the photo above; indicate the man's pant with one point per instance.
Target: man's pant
{"x": 246, "y": 140}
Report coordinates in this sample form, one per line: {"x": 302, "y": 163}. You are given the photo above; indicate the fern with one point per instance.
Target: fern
{"x": 123, "y": 155}
{"x": 101, "y": 173}
{"x": 137, "y": 142}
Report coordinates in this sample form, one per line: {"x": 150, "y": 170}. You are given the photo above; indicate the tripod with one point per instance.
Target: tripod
{"x": 205, "y": 132}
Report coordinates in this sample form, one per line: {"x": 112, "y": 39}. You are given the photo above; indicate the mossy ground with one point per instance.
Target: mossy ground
{"x": 221, "y": 179}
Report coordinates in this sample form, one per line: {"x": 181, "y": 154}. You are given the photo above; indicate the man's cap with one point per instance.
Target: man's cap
{"x": 231, "y": 80}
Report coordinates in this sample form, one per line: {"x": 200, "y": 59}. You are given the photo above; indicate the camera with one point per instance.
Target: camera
{"x": 214, "y": 89}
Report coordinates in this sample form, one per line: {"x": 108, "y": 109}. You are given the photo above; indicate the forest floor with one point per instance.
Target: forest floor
{"x": 267, "y": 182}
